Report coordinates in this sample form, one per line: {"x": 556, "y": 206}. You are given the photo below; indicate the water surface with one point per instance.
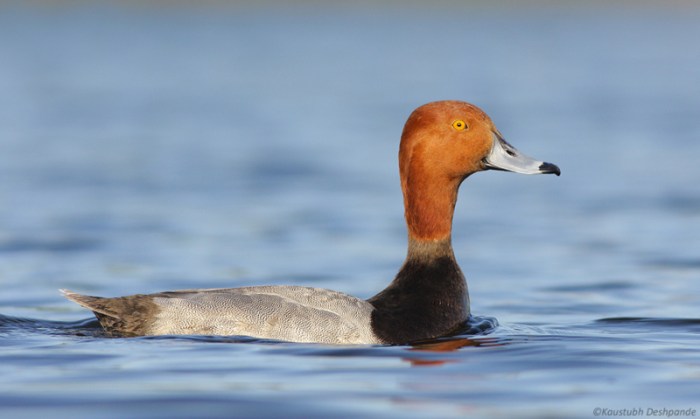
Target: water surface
{"x": 154, "y": 148}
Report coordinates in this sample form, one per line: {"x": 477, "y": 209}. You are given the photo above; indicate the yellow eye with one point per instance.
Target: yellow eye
{"x": 459, "y": 125}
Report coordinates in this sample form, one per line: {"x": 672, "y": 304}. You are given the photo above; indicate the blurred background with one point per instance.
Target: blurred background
{"x": 148, "y": 146}
{"x": 165, "y": 144}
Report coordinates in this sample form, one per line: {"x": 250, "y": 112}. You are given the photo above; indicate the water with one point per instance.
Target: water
{"x": 149, "y": 148}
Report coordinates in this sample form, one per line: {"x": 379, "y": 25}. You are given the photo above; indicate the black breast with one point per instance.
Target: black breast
{"x": 428, "y": 299}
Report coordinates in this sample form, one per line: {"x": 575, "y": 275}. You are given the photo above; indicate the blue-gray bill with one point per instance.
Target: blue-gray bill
{"x": 504, "y": 156}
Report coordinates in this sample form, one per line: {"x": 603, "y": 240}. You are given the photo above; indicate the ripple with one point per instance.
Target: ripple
{"x": 681, "y": 324}
{"x": 675, "y": 263}
{"x": 611, "y": 285}
{"x": 88, "y": 327}
{"x": 58, "y": 244}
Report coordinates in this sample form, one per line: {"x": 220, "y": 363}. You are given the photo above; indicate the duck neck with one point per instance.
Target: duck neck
{"x": 429, "y": 297}
{"x": 429, "y": 207}
{"x": 422, "y": 251}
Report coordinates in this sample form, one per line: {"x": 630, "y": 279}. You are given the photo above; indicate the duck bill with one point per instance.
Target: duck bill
{"x": 504, "y": 156}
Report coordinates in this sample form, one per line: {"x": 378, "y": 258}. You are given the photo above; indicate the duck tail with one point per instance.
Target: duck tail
{"x": 96, "y": 304}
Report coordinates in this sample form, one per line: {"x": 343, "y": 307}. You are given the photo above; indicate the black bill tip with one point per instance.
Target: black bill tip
{"x": 550, "y": 168}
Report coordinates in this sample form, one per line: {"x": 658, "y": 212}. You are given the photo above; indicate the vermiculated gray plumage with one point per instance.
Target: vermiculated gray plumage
{"x": 299, "y": 314}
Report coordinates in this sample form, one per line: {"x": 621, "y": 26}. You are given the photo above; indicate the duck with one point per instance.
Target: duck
{"x": 442, "y": 144}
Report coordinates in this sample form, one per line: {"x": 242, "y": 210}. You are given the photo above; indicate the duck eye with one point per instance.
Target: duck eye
{"x": 459, "y": 125}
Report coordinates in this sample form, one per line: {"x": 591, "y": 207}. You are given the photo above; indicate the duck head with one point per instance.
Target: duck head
{"x": 441, "y": 145}
{"x": 456, "y": 139}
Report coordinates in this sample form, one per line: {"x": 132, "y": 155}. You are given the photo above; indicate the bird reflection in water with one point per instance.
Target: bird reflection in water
{"x": 472, "y": 335}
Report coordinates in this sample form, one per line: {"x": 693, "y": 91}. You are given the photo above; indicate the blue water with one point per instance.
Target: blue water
{"x": 149, "y": 148}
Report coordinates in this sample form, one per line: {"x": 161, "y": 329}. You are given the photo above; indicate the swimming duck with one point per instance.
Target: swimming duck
{"x": 441, "y": 145}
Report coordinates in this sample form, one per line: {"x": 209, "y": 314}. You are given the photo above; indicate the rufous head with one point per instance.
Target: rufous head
{"x": 455, "y": 139}
{"x": 443, "y": 143}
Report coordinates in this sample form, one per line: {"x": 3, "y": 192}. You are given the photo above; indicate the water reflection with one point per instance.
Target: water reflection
{"x": 448, "y": 345}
